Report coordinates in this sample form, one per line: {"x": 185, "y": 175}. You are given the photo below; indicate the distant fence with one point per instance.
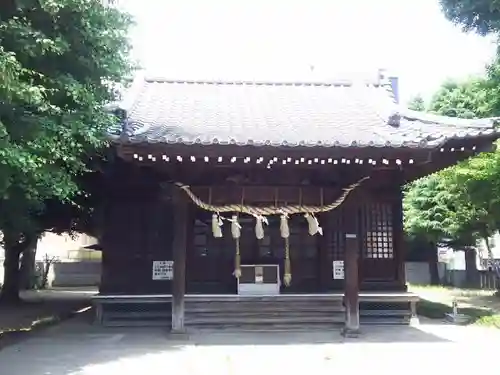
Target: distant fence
{"x": 71, "y": 274}
{"x": 488, "y": 280}
{"x": 81, "y": 267}
{"x": 84, "y": 255}
{"x": 82, "y": 273}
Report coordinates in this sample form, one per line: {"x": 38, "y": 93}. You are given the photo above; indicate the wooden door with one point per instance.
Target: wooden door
{"x": 305, "y": 260}
{"x": 210, "y": 261}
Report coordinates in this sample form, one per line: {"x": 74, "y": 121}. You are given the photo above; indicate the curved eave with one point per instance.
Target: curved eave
{"x": 480, "y": 136}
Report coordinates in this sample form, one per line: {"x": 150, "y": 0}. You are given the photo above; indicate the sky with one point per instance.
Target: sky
{"x": 305, "y": 40}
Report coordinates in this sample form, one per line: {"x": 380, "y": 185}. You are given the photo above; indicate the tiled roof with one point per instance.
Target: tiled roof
{"x": 341, "y": 114}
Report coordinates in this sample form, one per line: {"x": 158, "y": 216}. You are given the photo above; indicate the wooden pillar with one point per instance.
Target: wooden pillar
{"x": 180, "y": 206}
{"x": 351, "y": 282}
{"x": 324, "y": 256}
{"x": 399, "y": 241}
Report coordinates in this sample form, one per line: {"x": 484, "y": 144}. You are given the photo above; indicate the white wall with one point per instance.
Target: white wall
{"x": 62, "y": 246}
{"x": 75, "y": 274}
{"x": 417, "y": 273}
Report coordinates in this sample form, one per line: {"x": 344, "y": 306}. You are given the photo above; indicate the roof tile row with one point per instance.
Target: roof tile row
{"x": 340, "y": 114}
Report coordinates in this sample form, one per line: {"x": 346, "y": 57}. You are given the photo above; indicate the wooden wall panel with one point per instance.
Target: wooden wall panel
{"x": 137, "y": 230}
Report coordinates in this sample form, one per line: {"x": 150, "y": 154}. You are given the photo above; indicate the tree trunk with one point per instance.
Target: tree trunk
{"x": 14, "y": 245}
{"x": 28, "y": 262}
{"x": 10, "y": 288}
{"x": 471, "y": 274}
{"x": 433, "y": 265}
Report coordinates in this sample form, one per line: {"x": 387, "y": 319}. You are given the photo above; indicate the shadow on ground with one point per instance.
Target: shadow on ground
{"x": 38, "y": 310}
{"x": 78, "y": 347}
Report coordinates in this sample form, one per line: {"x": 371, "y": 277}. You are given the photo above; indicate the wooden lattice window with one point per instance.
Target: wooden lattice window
{"x": 378, "y": 231}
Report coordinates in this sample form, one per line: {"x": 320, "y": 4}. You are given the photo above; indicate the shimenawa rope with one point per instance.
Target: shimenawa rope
{"x": 270, "y": 210}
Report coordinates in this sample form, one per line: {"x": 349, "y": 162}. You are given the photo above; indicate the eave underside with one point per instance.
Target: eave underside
{"x": 412, "y": 163}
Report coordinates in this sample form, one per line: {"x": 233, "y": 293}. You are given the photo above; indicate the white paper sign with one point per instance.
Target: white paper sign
{"x": 259, "y": 274}
{"x": 338, "y": 269}
{"x": 163, "y": 269}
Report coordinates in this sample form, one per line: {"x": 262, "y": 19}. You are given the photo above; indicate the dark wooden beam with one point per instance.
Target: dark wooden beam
{"x": 351, "y": 284}
{"x": 398, "y": 235}
{"x": 181, "y": 213}
{"x": 325, "y": 261}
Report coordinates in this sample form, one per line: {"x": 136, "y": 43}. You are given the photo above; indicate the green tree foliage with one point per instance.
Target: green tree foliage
{"x": 461, "y": 203}
{"x": 481, "y": 16}
{"x": 431, "y": 208}
{"x": 468, "y": 99}
{"x": 479, "y": 178}
{"x": 60, "y": 62}
{"x": 445, "y": 208}
{"x": 417, "y": 103}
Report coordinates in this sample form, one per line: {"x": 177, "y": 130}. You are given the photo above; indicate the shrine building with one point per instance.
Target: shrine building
{"x": 266, "y": 203}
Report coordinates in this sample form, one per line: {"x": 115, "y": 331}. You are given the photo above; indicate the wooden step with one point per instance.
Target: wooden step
{"x": 264, "y": 328}
{"x": 263, "y": 300}
{"x": 264, "y": 308}
{"x": 136, "y": 323}
{"x": 265, "y": 314}
{"x": 246, "y": 320}
{"x": 383, "y": 321}
{"x": 384, "y": 317}
{"x": 286, "y": 312}
{"x": 384, "y": 313}
{"x": 139, "y": 315}
{"x": 278, "y": 298}
{"x": 271, "y": 328}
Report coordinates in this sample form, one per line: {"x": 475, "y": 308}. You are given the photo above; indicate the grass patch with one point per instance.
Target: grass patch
{"x": 10, "y": 335}
{"x": 438, "y": 310}
{"x": 452, "y": 291}
{"x": 482, "y": 306}
{"x": 489, "y": 321}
